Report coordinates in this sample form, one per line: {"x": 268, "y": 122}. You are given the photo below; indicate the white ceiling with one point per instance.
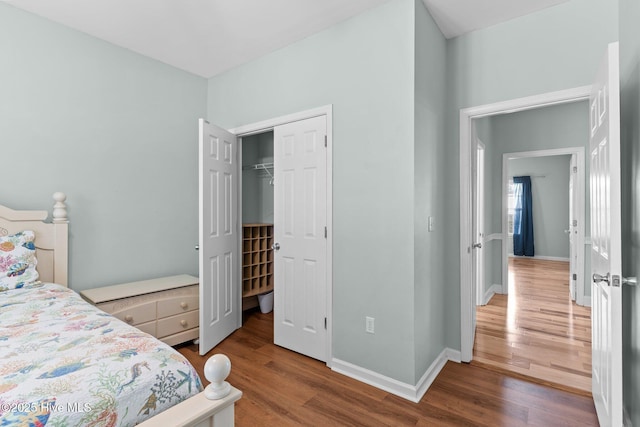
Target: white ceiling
{"x": 457, "y": 17}
{"x": 207, "y": 37}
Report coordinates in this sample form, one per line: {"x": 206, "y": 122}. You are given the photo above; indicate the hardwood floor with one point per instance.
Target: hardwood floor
{"x": 537, "y": 331}
{"x": 283, "y": 388}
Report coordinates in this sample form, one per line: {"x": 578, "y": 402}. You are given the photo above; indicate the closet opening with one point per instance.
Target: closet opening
{"x": 257, "y": 212}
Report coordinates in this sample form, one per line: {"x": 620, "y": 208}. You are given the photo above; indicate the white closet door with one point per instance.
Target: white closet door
{"x": 300, "y": 215}
{"x": 220, "y": 303}
{"x": 606, "y": 242}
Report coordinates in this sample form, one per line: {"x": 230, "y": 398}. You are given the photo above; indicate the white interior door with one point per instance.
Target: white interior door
{"x": 220, "y": 310}
{"x": 573, "y": 225}
{"x": 300, "y": 248}
{"x": 478, "y": 224}
{"x": 606, "y": 264}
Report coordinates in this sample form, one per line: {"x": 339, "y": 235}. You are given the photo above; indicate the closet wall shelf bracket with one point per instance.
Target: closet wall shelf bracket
{"x": 267, "y": 167}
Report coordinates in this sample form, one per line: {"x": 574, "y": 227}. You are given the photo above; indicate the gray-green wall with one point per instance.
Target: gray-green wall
{"x": 383, "y": 72}
{"x": 554, "y": 49}
{"x": 429, "y": 193}
{"x": 257, "y": 184}
{"x": 117, "y": 132}
{"x": 630, "y": 149}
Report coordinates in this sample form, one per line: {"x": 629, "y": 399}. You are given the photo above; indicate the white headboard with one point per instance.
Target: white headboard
{"x": 52, "y": 239}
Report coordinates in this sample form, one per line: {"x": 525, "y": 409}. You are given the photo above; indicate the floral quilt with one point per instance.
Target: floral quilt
{"x": 64, "y": 362}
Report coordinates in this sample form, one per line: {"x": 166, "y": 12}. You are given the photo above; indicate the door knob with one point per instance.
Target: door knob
{"x": 477, "y": 245}
{"x": 275, "y": 246}
{"x": 597, "y": 278}
{"x": 197, "y": 247}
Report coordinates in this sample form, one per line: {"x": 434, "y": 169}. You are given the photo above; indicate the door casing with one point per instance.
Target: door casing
{"x": 467, "y": 115}
{"x": 268, "y": 125}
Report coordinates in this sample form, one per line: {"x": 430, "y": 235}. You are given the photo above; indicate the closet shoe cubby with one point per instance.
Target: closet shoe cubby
{"x": 257, "y": 259}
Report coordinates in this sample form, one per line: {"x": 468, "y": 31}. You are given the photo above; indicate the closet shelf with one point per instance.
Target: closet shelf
{"x": 257, "y": 259}
{"x": 263, "y": 167}
{"x": 257, "y": 166}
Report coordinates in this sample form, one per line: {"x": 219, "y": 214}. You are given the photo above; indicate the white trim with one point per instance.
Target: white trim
{"x": 267, "y": 125}
{"x": 494, "y": 289}
{"x": 453, "y": 355}
{"x": 414, "y": 393}
{"x": 467, "y": 115}
{"x": 493, "y": 236}
{"x": 626, "y": 419}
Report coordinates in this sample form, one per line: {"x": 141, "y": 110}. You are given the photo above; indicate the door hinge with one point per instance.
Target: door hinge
{"x": 325, "y": 323}
{"x": 575, "y": 169}
{"x": 325, "y": 232}
{"x": 575, "y": 276}
{"x": 575, "y": 223}
{"x": 325, "y": 140}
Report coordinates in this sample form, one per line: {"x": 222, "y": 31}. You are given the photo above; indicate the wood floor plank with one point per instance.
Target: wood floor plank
{"x": 536, "y": 330}
{"x": 283, "y": 388}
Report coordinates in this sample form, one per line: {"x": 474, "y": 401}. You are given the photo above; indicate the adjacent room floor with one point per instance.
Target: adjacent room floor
{"x": 537, "y": 331}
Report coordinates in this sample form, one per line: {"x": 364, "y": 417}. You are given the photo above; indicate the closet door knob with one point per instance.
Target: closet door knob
{"x": 275, "y": 246}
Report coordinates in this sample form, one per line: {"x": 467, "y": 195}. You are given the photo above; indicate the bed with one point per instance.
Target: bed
{"x": 63, "y": 362}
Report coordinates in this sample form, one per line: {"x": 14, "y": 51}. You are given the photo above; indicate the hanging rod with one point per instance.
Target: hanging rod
{"x": 261, "y": 166}
{"x": 258, "y": 166}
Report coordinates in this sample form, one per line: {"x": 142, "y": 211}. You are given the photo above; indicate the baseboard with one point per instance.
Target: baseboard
{"x": 454, "y": 355}
{"x": 410, "y": 392}
{"x": 494, "y": 289}
{"x": 626, "y": 422}
{"x": 542, "y": 257}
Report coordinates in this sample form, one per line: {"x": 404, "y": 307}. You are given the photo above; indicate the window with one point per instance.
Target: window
{"x": 511, "y": 205}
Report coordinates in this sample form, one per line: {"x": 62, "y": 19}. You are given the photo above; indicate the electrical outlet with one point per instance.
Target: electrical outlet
{"x": 369, "y": 325}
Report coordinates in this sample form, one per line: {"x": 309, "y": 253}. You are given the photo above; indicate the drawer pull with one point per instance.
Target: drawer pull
{"x": 128, "y": 318}
{"x": 184, "y": 323}
{"x": 184, "y": 305}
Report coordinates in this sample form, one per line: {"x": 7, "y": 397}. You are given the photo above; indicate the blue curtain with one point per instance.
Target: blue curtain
{"x": 523, "y": 217}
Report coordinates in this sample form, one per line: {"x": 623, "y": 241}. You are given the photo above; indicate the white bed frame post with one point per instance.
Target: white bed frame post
{"x": 61, "y": 237}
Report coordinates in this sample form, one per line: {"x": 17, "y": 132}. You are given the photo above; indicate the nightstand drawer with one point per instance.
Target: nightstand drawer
{"x": 178, "y": 304}
{"x": 134, "y": 314}
{"x": 173, "y": 325}
{"x": 149, "y": 327}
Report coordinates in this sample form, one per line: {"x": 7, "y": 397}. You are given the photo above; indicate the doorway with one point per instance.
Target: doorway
{"x": 468, "y": 296}
{"x": 535, "y": 330}
{"x": 558, "y": 186}
{"x": 295, "y": 174}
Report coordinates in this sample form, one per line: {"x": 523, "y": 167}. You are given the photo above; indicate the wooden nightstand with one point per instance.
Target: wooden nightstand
{"x": 166, "y": 308}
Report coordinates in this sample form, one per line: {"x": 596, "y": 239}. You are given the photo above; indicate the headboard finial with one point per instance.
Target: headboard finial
{"x": 59, "y": 208}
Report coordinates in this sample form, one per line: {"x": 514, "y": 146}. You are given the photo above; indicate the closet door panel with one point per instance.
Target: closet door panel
{"x": 299, "y": 228}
